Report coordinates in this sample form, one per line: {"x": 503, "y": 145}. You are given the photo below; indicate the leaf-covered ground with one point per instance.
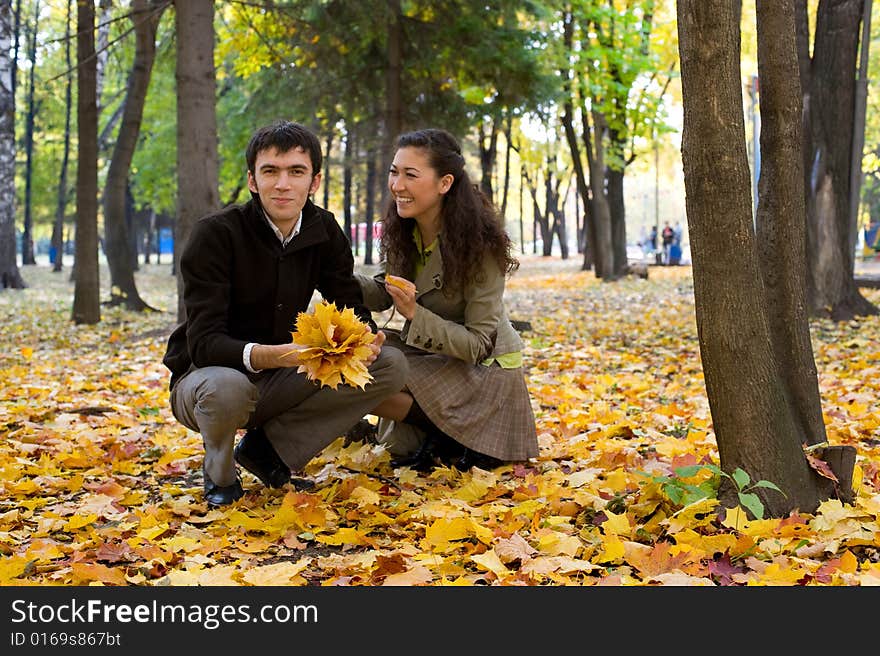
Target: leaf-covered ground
{"x": 101, "y": 485}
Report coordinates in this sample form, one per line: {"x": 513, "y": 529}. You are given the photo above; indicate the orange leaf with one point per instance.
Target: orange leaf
{"x": 821, "y": 467}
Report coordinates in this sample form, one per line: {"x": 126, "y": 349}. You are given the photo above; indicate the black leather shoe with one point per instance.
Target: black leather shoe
{"x": 254, "y": 452}
{"x": 363, "y": 431}
{"x": 472, "y": 458}
{"x": 421, "y": 460}
{"x": 220, "y": 495}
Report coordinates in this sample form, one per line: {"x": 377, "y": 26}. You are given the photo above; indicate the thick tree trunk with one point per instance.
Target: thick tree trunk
{"x": 121, "y": 257}
{"x": 831, "y": 288}
{"x": 86, "y": 296}
{"x": 755, "y": 418}
{"x": 617, "y": 209}
{"x": 781, "y": 231}
{"x": 393, "y": 97}
{"x": 197, "y": 160}
{"x": 10, "y": 277}
{"x": 600, "y": 212}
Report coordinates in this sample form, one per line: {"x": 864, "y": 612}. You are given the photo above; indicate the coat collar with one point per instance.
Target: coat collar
{"x": 311, "y": 230}
{"x": 431, "y": 275}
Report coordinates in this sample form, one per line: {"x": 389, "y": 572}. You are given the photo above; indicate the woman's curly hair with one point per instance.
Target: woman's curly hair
{"x": 470, "y": 228}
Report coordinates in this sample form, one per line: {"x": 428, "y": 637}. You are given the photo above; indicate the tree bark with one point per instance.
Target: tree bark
{"x": 587, "y": 238}
{"x": 86, "y": 296}
{"x": 600, "y": 212}
{"x": 617, "y": 210}
{"x": 488, "y": 143}
{"x": 830, "y": 106}
{"x": 27, "y": 239}
{"x": 61, "y": 207}
{"x": 393, "y": 96}
{"x": 197, "y": 159}
{"x": 121, "y": 256}
{"x": 10, "y": 276}
{"x": 757, "y": 418}
{"x": 781, "y": 218}
{"x": 370, "y": 203}
{"x": 347, "y": 165}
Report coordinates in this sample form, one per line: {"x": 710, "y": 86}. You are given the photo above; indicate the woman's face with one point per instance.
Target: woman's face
{"x": 417, "y": 189}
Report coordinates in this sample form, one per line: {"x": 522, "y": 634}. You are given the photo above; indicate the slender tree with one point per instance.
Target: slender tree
{"x": 753, "y": 331}
{"x": 27, "y": 239}
{"x": 86, "y": 295}
{"x": 119, "y": 247}
{"x": 61, "y": 207}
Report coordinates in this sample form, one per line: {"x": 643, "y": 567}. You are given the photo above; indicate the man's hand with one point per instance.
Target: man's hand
{"x": 376, "y": 347}
{"x": 275, "y": 356}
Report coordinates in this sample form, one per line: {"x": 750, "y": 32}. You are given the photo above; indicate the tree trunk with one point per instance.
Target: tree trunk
{"x": 10, "y": 277}
{"x": 540, "y": 220}
{"x": 16, "y": 33}
{"x": 370, "y": 204}
{"x": 600, "y": 213}
{"x": 757, "y": 421}
{"x": 86, "y": 296}
{"x": 587, "y": 238}
{"x": 325, "y": 179}
{"x": 121, "y": 257}
{"x": 488, "y": 152}
{"x": 393, "y": 101}
{"x": 27, "y": 238}
{"x": 831, "y": 288}
{"x": 61, "y": 207}
{"x": 347, "y": 163}
{"x": 102, "y": 53}
{"x": 507, "y": 150}
{"x": 617, "y": 209}
{"x": 197, "y": 159}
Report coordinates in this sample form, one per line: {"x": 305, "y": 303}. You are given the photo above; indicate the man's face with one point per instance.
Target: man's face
{"x": 283, "y": 181}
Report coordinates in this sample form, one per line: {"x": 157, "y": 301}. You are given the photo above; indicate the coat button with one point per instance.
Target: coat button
{"x": 279, "y": 307}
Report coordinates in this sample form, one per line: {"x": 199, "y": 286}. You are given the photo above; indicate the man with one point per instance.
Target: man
{"x": 247, "y": 271}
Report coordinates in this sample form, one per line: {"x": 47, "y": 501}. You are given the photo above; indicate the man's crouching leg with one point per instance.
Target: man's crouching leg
{"x": 302, "y": 432}
{"x": 216, "y": 402}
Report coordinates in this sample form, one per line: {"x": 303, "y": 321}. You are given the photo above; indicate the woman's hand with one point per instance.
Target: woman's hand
{"x": 404, "y": 298}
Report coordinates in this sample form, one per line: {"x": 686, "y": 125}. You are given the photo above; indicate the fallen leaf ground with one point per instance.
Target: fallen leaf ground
{"x": 100, "y": 485}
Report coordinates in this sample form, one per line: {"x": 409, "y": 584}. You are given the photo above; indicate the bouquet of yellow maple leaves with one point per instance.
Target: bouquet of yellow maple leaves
{"x": 337, "y": 346}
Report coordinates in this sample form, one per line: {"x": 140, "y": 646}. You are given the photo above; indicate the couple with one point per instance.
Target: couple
{"x": 449, "y": 385}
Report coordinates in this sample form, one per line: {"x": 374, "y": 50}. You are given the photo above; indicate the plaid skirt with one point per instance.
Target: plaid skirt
{"x": 487, "y": 409}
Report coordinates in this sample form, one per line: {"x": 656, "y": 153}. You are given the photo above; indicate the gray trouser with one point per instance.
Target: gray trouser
{"x": 299, "y": 418}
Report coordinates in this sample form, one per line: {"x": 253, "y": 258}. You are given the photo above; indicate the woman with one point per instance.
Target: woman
{"x": 465, "y": 392}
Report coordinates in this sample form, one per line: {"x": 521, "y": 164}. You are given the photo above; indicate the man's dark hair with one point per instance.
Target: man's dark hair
{"x": 284, "y": 136}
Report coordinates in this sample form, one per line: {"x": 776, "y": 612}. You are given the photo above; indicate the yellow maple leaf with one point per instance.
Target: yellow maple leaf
{"x": 491, "y": 562}
{"x": 277, "y": 573}
{"x": 416, "y": 576}
{"x": 336, "y": 346}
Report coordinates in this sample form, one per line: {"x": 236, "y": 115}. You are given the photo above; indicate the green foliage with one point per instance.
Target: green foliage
{"x": 680, "y": 492}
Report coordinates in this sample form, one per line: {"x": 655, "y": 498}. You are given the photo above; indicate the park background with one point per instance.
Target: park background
{"x": 100, "y": 483}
